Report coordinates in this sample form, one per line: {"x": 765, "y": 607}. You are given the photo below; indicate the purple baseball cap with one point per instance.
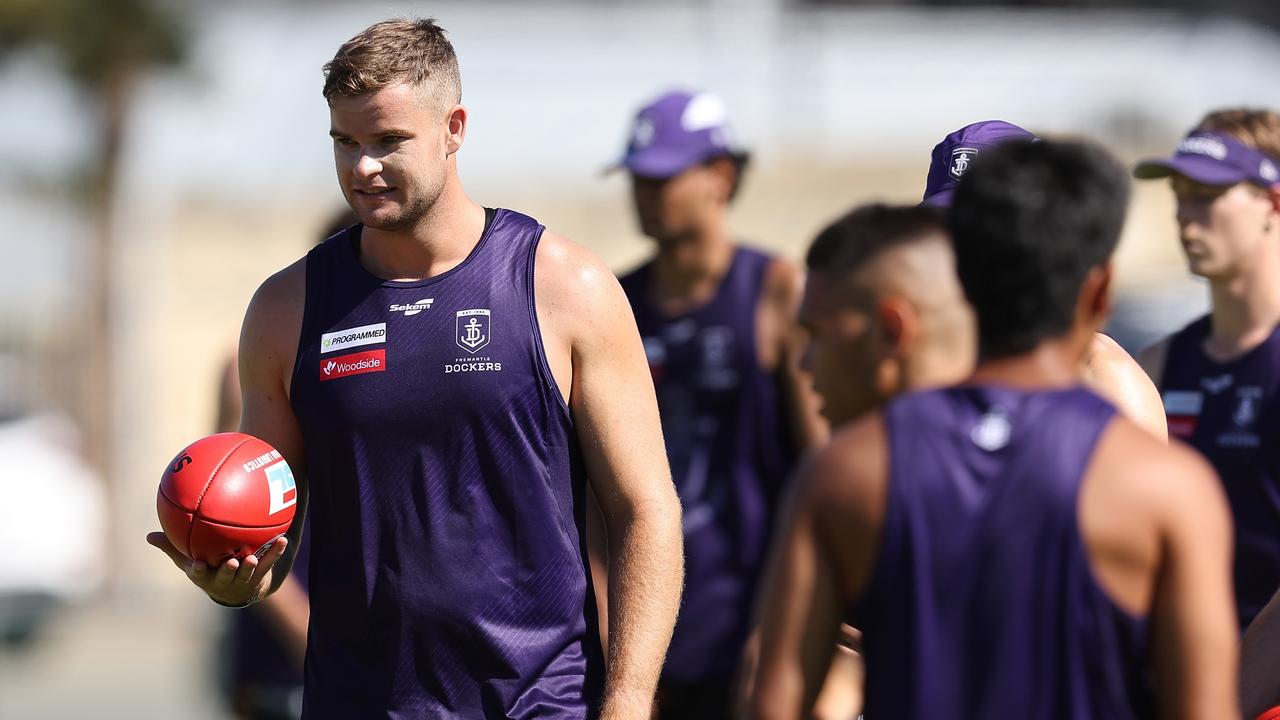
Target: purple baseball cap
{"x": 1213, "y": 158}
{"x": 677, "y": 131}
{"x": 953, "y": 156}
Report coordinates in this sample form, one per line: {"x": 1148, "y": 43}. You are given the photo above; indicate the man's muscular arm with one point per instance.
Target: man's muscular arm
{"x": 595, "y": 350}
{"x": 268, "y": 344}
{"x": 821, "y": 561}
{"x": 1194, "y": 643}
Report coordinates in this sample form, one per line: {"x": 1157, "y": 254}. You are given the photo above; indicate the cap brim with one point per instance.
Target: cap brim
{"x": 940, "y": 199}
{"x": 1198, "y": 168}
{"x": 659, "y": 163}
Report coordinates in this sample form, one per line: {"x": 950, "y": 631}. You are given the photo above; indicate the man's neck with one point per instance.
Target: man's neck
{"x": 1246, "y": 308}
{"x": 688, "y": 271}
{"x": 1051, "y": 364}
{"x": 437, "y": 243}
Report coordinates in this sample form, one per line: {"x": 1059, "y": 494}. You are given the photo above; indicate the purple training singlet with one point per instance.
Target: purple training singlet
{"x": 982, "y": 603}
{"x": 727, "y": 443}
{"x": 1228, "y": 411}
{"x": 448, "y": 572}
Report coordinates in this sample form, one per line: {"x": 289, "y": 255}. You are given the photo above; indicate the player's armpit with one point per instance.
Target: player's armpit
{"x": 1195, "y": 635}
{"x": 586, "y": 319}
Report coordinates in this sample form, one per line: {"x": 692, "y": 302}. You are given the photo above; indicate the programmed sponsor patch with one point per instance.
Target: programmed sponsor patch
{"x": 353, "y": 337}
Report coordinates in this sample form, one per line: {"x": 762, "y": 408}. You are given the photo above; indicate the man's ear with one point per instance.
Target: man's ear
{"x": 899, "y": 325}
{"x": 1095, "y": 295}
{"x": 726, "y": 173}
{"x": 457, "y": 121}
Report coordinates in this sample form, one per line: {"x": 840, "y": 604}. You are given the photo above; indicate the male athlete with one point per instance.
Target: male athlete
{"x": 443, "y": 378}
{"x": 1107, "y": 369}
{"x": 718, "y": 323}
{"x": 1010, "y": 547}
{"x": 1220, "y": 374}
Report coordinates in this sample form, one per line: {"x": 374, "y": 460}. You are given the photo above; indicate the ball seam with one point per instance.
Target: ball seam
{"x": 195, "y": 511}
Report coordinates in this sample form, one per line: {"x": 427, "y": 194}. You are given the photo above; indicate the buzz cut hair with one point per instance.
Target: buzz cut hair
{"x": 846, "y": 246}
{"x": 415, "y": 52}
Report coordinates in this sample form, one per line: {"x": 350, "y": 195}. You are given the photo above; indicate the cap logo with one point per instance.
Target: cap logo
{"x": 1269, "y": 172}
{"x": 642, "y": 136}
{"x": 704, "y": 111}
{"x": 961, "y": 158}
{"x": 1202, "y": 145}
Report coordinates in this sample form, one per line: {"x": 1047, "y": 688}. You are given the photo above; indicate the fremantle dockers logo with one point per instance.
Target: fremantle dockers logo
{"x": 1247, "y": 401}
{"x": 472, "y": 329}
{"x": 960, "y": 160}
{"x": 643, "y": 134}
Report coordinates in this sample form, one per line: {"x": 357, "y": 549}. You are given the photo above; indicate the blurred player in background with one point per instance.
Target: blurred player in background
{"x": 1000, "y": 542}
{"x": 1107, "y": 368}
{"x": 719, "y": 330}
{"x": 266, "y": 644}
{"x": 1219, "y": 375}
{"x": 443, "y": 407}
{"x": 910, "y": 327}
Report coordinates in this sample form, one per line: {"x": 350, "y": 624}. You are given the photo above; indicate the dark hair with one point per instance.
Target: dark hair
{"x": 847, "y": 244}
{"x": 1028, "y": 222}
{"x": 393, "y": 51}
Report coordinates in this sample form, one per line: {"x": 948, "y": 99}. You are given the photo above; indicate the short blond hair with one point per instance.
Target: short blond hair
{"x": 394, "y": 51}
{"x": 1257, "y": 128}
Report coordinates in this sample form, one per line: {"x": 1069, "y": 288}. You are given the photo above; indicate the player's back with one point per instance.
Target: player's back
{"x": 983, "y": 602}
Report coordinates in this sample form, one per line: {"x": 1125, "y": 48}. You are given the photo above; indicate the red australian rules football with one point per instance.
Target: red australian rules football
{"x": 226, "y": 495}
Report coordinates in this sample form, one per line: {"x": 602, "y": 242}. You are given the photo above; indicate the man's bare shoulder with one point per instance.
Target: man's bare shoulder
{"x": 274, "y": 319}
{"x": 1137, "y": 466}
{"x": 571, "y": 281}
{"x": 849, "y": 475}
{"x": 1108, "y": 359}
{"x": 282, "y": 293}
{"x": 1115, "y": 375}
{"x": 845, "y": 491}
